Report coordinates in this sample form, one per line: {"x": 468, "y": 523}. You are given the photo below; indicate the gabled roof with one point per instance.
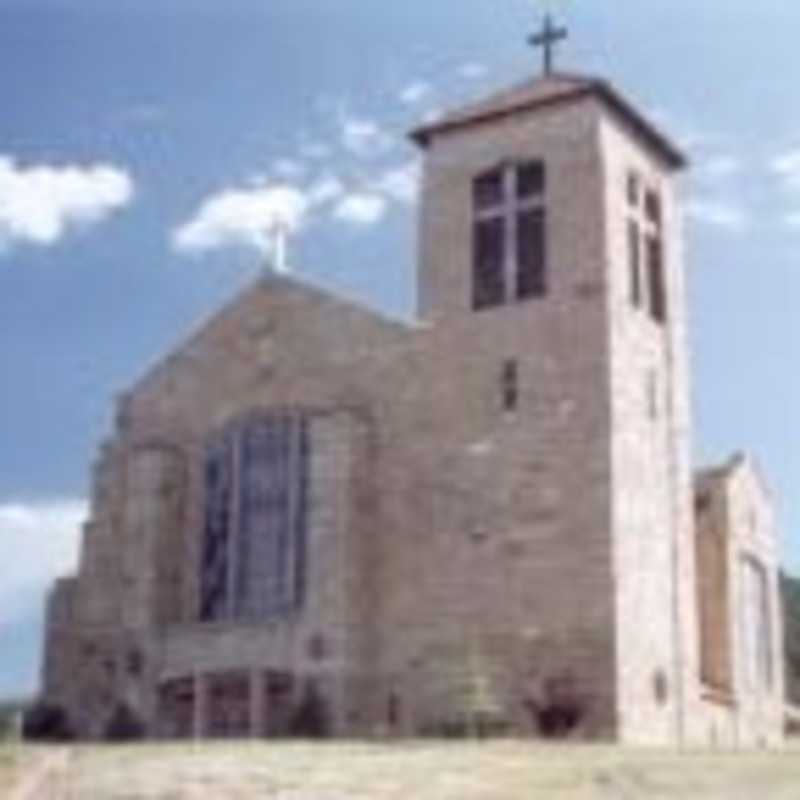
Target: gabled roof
{"x": 550, "y": 90}
{"x": 271, "y": 284}
{"x": 738, "y": 462}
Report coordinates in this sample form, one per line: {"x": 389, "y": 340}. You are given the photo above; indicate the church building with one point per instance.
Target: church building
{"x": 313, "y": 519}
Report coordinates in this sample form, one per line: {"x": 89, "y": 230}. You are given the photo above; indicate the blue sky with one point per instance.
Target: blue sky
{"x": 143, "y": 144}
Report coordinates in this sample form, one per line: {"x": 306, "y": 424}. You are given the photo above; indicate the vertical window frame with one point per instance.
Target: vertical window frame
{"x": 511, "y": 206}
{"x": 633, "y": 188}
{"x": 215, "y": 567}
{"x": 653, "y": 207}
{"x": 488, "y": 278}
{"x": 648, "y": 287}
{"x": 285, "y": 491}
{"x": 635, "y": 261}
{"x": 656, "y": 277}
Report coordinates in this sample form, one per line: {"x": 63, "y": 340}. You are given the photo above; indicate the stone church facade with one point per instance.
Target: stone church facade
{"x": 311, "y": 518}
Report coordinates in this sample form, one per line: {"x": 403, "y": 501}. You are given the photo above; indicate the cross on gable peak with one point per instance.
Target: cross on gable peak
{"x": 279, "y": 233}
{"x": 547, "y": 38}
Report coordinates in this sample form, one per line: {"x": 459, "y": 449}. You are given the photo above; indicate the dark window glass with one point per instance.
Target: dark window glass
{"x": 303, "y": 477}
{"x": 215, "y": 556}
{"x": 262, "y": 519}
{"x": 530, "y": 180}
{"x": 509, "y": 240}
{"x": 488, "y": 190}
{"x": 254, "y": 554}
{"x": 652, "y": 207}
{"x": 634, "y": 189}
{"x": 635, "y": 261}
{"x": 271, "y": 517}
{"x": 655, "y": 269}
{"x": 531, "y": 253}
{"x": 489, "y": 260}
{"x": 510, "y": 385}
{"x": 702, "y": 502}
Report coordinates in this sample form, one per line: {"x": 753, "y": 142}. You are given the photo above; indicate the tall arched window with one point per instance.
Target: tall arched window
{"x": 255, "y": 538}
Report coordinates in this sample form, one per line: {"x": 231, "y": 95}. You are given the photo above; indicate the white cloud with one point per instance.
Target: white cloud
{"x": 432, "y": 115}
{"x": 719, "y": 167}
{"x": 787, "y": 167}
{"x": 289, "y": 168}
{"x": 400, "y": 183}
{"x": 361, "y": 208}
{"x": 39, "y": 542}
{"x": 364, "y": 137}
{"x": 415, "y": 92}
{"x": 792, "y": 220}
{"x": 473, "y": 71}
{"x": 246, "y": 217}
{"x": 325, "y": 190}
{"x": 39, "y": 204}
{"x": 243, "y": 218}
{"x": 257, "y": 180}
{"x": 718, "y": 214}
{"x": 315, "y": 151}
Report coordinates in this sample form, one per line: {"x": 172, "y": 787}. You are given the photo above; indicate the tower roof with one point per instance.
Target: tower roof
{"x": 554, "y": 89}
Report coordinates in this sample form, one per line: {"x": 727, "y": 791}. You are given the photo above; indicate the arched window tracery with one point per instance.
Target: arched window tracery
{"x": 256, "y": 518}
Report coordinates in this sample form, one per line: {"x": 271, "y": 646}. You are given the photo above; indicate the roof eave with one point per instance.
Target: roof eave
{"x": 423, "y": 134}
{"x": 673, "y": 155}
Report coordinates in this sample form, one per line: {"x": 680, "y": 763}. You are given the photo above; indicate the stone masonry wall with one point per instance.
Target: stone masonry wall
{"x": 458, "y": 550}
{"x": 506, "y": 560}
{"x": 653, "y": 534}
{"x": 737, "y": 504}
{"x": 279, "y": 345}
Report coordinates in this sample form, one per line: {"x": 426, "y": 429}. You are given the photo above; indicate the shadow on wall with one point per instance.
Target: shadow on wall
{"x": 559, "y": 709}
{"x": 311, "y": 720}
{"x": 45, "y": 722}
{"x": 124, "y": 726}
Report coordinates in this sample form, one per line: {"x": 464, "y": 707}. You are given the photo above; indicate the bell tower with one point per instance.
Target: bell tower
{"x": 551, "y": 241}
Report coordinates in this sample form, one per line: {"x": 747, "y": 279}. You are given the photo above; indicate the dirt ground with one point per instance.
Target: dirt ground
{"x": 424, "y": 771}
{"x": 8, "y": 766}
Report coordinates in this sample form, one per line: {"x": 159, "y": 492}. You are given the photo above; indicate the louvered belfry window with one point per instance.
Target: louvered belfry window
{"x": 255, "y": 544}
{"x": 509, "y": 248}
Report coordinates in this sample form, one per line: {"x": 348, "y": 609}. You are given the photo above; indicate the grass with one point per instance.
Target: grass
{"x": 14, "y": 760}
{"x": 8, "y": 765}
{"x": 423, "y": 771}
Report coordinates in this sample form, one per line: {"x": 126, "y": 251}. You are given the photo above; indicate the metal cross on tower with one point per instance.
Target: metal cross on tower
{"x": 547, "y": 39}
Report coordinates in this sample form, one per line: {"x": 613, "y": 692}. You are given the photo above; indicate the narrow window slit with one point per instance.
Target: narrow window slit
{"x": 510, "y": 385}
